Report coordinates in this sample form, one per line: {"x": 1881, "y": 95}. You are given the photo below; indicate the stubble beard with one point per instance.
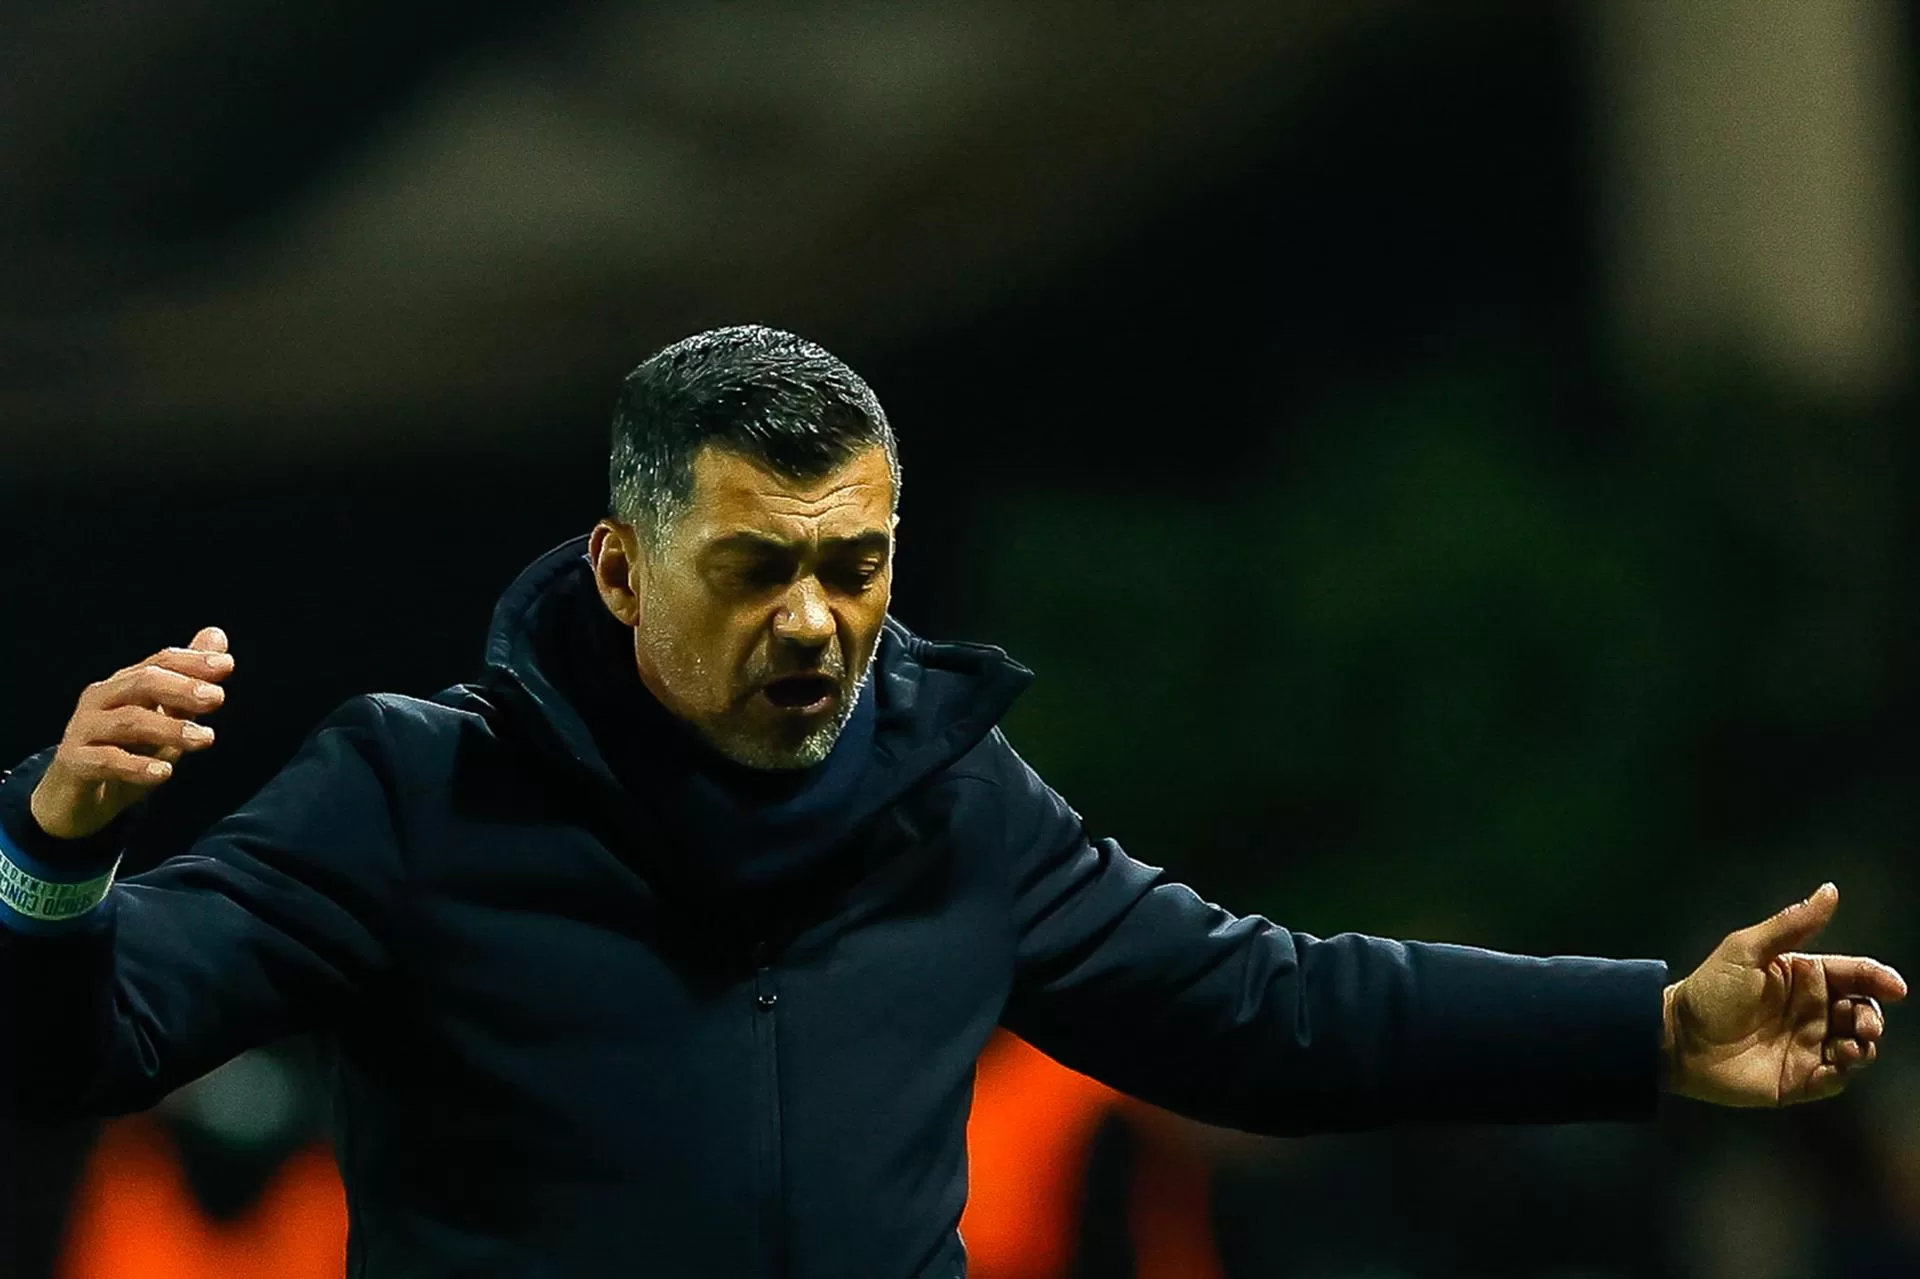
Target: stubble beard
{"x": 805, "y": 753}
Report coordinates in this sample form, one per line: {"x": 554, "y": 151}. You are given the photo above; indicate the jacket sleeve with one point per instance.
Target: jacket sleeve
{"x": 1131, "y": 978}
{"x": 271, "y": 923}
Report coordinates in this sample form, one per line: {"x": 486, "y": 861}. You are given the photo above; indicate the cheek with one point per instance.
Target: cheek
{"x": 701, "y": 647}
{"x": 864, "y": 624}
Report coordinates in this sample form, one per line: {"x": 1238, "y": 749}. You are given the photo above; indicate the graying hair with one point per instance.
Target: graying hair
{"x": 763, "y": 393}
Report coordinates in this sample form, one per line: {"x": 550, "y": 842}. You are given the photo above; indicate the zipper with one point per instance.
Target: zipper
{"x": 768, "y": 1153}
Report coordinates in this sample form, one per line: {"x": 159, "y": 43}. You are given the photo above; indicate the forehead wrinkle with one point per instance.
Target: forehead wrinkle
{"x": 810, "y": 540}
{"x": 734, "y": 493}
{"x": 855, "y": 493}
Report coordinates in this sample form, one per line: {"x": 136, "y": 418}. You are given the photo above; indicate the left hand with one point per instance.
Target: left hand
{"x": 1759, "y": 1024}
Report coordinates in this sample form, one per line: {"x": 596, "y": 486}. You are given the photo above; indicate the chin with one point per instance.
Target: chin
{"x": 770, "y": 758}
{"x": 773, "y": 756}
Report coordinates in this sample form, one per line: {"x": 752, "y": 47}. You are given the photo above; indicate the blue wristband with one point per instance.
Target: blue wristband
{"x": 37, "y": 898}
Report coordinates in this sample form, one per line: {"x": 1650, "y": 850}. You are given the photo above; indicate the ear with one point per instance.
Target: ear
{"x": 619, "y": 568}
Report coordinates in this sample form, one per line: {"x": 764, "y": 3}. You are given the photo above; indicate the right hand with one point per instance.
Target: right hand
{"x": 126, "y": 734}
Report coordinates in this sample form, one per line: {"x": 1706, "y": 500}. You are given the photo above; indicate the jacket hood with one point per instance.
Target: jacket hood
{"x": 564, "y": 669}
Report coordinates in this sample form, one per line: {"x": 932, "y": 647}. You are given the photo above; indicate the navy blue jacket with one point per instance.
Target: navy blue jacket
{"x": 598, "y": 1010}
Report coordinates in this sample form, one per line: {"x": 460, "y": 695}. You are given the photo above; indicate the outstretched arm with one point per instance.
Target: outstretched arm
{"x": 1132, "y": 978}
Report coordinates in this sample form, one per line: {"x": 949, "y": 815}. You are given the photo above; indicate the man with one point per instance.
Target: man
{"x": 667, "y": 946}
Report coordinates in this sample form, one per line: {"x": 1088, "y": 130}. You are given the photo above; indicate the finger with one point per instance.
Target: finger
{"x": 1786, "y": 929}
{"x": 200, "y": 657}
{"x": 1844, "y": 1053}
{"x": 111, "y": 764}
{"x": 211, "y": 639}
{"x": 134, "y": 727}
{"x": 1856, "y": 977}
{"x": 1849, "y": 1054}
{"x": 1857, "y": 1018}
{"x": 1825, "y": 1080}
{"x": 184, "y": 693}
{"x": 197, "y": 662}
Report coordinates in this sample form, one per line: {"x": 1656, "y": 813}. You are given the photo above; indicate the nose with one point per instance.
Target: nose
{"x": 804, "y": 617}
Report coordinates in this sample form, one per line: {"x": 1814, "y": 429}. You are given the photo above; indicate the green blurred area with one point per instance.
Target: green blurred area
{"x": 1440, "y": 667}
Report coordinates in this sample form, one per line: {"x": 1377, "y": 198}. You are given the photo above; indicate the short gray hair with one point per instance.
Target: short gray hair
{"x": 748, "y": 389}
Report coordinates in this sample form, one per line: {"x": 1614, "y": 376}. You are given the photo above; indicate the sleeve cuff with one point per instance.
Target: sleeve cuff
{"x": 1562, "y": 1040}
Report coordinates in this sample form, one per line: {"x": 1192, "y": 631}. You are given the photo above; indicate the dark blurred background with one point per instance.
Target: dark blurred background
{"x": 1452, "y": 468}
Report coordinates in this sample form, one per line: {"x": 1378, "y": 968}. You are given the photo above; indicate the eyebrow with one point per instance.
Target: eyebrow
{"x": 750, "y": 541}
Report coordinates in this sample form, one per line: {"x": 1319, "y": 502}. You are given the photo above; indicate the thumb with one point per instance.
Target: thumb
{"x": 1789, "y": 928}
{"x": 211, "y": 639}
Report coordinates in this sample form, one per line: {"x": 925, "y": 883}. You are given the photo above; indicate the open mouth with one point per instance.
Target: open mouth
{"x": 802, "y": 694}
